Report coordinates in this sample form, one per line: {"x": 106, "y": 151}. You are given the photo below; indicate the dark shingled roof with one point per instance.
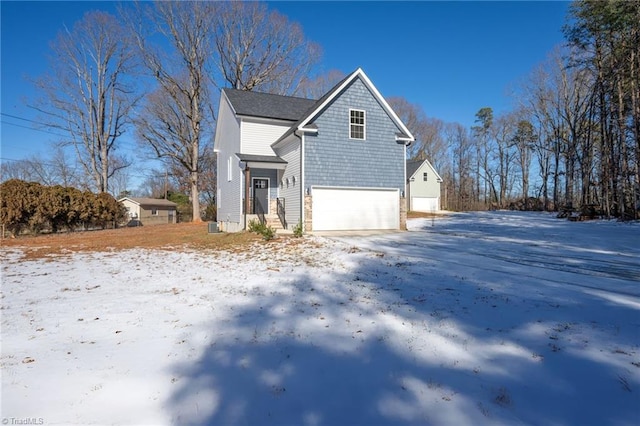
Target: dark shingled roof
{"x": 261, "y": 158}
{"x": 413, "y": 166}
{"x": 266, "y": 105}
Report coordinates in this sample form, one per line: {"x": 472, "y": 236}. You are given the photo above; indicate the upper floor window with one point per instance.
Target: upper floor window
{"x": 424, "y": 176}
{"x": 356, "y": 124}
{"x": 229, "y": 170}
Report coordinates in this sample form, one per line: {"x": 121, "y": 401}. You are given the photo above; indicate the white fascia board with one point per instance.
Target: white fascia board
{"x": 376, "y": 94}
{"x": 329, "y": 99}
{"x": 419, "y": 170}
{"x": 386, "y": 106}
{"x": 286, "y": 140}
{"x": 434, "y": 171}
{"x": 263, "y": 120}
{"x": 129, "y": 200}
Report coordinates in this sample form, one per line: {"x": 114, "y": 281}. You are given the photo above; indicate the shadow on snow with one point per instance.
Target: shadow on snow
{"x": 421, "y": 331}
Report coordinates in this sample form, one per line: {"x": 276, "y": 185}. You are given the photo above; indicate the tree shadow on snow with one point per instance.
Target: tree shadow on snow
{"x": 395, "y": 341}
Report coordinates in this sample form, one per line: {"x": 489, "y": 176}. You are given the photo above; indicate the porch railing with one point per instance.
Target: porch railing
{"x": 281, "y": 215}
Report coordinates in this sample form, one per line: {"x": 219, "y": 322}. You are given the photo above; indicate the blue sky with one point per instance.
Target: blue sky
{"x": 452, "y": 58}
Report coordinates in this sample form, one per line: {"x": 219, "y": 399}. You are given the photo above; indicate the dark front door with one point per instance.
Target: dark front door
{"x": 261, "y": 196}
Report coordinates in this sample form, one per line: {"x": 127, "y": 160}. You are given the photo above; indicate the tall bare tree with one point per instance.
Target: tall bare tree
{"x": 315, "y": 87}
{"x": 87, "y": 92}
{"x": 483, "y": 171}
{"x": 258, "y": 49}
{"x": 429, "y": 132}
{"x": 176, "y": 116}
{"x": 524, "y": 140}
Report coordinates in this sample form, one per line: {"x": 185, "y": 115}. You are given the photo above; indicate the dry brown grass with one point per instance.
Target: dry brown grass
{"x": 414, "y": 215}
{"x": 183, "y": 235}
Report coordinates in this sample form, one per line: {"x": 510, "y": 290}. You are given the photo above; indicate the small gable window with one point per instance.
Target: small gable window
{"x": 424, "y": 176}
{"x": 356, "y": 124}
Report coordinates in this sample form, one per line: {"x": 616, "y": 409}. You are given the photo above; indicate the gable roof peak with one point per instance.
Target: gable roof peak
{"x": 337, "y": 90}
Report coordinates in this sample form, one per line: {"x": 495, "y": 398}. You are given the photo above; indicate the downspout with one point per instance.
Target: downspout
{"x": 246, "y": 193}
{"x": 406, "y": 185}
{"x": 302, "y": 191}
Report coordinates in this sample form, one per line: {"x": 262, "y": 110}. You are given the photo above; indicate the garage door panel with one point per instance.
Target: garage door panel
{"x": 424, "y": 204}
{"x": 354, "y": 209}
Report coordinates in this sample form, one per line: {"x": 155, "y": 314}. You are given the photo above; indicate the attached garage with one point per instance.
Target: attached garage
{"x": 425, "y": 204}
{"x": 339, "y": 208}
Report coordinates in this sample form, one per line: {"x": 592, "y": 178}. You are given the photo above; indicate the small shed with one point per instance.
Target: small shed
{"x": 423, "y": 187}
{"x": 149, "y": 211}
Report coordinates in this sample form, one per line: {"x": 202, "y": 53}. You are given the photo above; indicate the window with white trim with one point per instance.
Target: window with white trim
{"x": 356, "y": 124}
{"x": 425, "y": 175}
{"x": 229, "y": 171}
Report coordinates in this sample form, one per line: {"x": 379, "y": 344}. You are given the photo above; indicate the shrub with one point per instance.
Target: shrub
{"x": 298, "y": 230}
{"x": 267, "y": 232}
{"x": 37, "y": 207}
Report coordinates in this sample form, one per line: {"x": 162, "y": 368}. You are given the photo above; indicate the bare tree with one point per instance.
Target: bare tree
{"x": 315, "y": 88}
{"x": 504, "y": 129}
{"x": 524, "y": 140}
{"x": 54, "y": 169}
{"x": 462, "y": 182}
{"x": 483, "y": 170}
{"x": 429, "y": 132}
{"x": 261, "y": 49}
{"x": 175, "y": 116}
{"x": 87, "y": 93}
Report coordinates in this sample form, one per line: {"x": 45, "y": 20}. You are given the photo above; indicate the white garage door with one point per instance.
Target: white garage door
{"x": 354, "y": 209}
{"x": 424, "y": 204}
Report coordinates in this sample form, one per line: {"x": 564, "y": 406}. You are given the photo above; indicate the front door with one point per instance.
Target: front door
{"x": 260, "y": 196}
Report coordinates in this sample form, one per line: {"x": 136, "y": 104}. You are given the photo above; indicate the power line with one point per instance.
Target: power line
{"x": 20, "y": 118}
{"x": 32, "y": 128}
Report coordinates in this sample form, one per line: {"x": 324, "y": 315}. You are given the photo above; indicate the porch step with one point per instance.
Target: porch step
{"x": 272, "y": 221}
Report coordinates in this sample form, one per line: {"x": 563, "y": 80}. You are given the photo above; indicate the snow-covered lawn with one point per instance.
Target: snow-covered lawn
{"x": 483, "y": 318}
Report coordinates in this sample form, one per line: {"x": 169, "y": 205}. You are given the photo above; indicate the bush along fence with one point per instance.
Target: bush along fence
{"x": 32, "y": 207}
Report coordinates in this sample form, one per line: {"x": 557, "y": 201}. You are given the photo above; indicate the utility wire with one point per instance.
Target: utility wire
{"x": 20, "y": 118}
{"x": 33, "y": 128}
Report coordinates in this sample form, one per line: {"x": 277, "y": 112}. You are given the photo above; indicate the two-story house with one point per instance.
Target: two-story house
{"x": 336, "y": 163}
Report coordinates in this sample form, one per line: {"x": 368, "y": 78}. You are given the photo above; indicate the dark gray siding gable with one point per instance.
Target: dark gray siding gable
{"x": 332, "y": 159}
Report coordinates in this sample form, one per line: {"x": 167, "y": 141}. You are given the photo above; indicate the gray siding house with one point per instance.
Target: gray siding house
{"x": 336, "y": 163}
{"x": 423, "y": 187}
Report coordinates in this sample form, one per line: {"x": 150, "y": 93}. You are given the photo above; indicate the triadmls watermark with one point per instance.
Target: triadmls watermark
{"x": 22, "y": 421}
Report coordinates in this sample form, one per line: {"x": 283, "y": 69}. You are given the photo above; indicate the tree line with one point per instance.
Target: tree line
{"x": 36, "y": 208}
{"x": 571, "y": 140}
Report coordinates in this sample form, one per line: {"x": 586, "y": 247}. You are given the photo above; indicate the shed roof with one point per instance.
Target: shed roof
{"x": 156, "y": 202}
{"x": 267, "y": 105}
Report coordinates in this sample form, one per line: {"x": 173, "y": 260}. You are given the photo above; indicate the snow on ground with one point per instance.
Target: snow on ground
{"x": 483, "y": 318}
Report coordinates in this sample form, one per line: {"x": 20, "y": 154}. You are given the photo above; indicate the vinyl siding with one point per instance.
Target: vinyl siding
{"x": 257, "y": 137}
{"x": 290, "y": 152}
{"x": 420, "y": 188}
{"x": 332, "y": 159}
{"x": 227, "y": 143}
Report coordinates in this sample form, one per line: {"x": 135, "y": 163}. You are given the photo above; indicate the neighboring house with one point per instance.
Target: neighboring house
{"x": 423, "y": 187}
{"x": 149, "y": 211}
{"x": 336, "y": 163}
